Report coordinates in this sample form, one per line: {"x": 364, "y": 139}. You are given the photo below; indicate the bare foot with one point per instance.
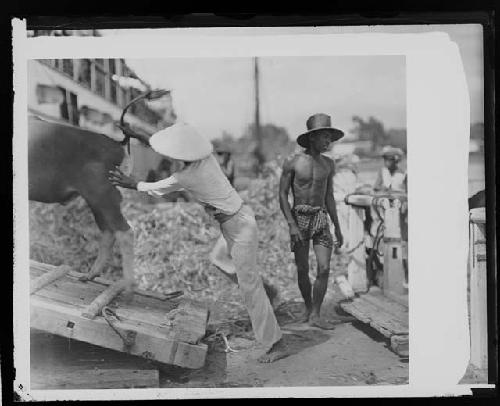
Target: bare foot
{"x": 278, "y": 351}
{"x": 304, "y": 317}
{"x": 316, "y": 321}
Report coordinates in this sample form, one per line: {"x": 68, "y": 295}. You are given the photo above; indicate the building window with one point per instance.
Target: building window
{"x": 69, "y": 106}
{"x": 100, "y": 81}
{"x": 84, "y": 73}
{"x": 47, "y": 94}
{"x": 68, "y": 66}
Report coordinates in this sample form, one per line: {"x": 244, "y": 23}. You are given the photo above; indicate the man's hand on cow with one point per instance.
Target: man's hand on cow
{"x": 118, "y": 178}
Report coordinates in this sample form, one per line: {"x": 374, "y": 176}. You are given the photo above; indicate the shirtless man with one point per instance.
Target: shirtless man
{"x": 309, "y": 174}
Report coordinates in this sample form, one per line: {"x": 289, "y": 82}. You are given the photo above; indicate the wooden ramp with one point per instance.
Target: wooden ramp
{"x": 384, "y": 315}
{"x": 151, "y": 325}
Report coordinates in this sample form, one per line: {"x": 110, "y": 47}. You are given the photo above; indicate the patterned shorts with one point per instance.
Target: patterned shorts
{"x": 313, "y": 225}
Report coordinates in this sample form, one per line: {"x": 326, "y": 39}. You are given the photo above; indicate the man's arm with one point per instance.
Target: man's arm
{"x": 331, "y": 206}
{"x": 160, "y": 188}
{"x": 284, "y": 190}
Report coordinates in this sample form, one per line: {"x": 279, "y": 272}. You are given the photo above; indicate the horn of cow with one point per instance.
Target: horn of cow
{"x": 126, "y": 140}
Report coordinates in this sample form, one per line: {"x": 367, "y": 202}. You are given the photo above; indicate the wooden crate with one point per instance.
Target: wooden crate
{"x": 167, "y": 331}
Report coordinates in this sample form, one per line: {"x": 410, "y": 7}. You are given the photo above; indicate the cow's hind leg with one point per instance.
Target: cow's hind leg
{"x": 104, "y": 200}
{"x": 105, "y": 250}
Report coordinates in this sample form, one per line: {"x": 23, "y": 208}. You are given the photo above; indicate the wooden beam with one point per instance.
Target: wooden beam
{"x": 360, "y": 200}
{"x": 400, "y": 345}
{"x": 76, "y": 378}
{"x": 356, "y": 269}
{"x": 48, "y": 278}
{"x": 150, "y": 344}
{"x": 104, "y": 299}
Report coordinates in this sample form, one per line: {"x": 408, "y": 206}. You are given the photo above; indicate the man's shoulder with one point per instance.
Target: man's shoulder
{"x": 292, "y": 159}
{"x": 328, "y": 161}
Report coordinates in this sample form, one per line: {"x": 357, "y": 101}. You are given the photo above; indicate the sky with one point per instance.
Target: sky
{"x": 217, "y": 94}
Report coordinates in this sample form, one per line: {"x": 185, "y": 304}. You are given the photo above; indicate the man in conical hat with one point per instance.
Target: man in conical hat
{"x": 199, "y": 173}
{"x": 309, "y": 175}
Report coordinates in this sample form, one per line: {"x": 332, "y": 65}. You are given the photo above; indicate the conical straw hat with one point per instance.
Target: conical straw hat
{"x": 181, "y": 141}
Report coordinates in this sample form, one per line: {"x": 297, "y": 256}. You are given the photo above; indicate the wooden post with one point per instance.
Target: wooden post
{"x": 356, "y": 269}
{"x": 48, "y": 278}
{"x": 478, "y": 289}
{"x": 393, "y": 255}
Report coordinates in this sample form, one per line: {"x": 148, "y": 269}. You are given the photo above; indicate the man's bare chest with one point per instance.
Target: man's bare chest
{"x": 309, "y": 170}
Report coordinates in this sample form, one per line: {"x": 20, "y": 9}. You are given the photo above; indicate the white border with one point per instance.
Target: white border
{"x": 438, "y": 125}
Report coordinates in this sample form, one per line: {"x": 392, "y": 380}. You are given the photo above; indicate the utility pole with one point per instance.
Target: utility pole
{"x": 258, "y": 134}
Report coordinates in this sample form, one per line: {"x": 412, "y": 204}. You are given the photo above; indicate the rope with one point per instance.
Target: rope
{"x": 128, "y": 338}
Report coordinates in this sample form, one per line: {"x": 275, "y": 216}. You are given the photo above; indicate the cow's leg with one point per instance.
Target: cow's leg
{"x": 105, "y": 250}
{"x": 104, "y": 200}
{"x": 126, "y": 242}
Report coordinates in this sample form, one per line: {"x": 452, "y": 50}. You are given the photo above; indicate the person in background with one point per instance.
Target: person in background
{"x": 225, "y": 159}
{"x": 196, "y": 170}
{"x": 391, "y": 177}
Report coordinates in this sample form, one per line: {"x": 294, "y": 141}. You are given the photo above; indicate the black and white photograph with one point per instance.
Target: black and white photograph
{"x": 236, "y": 221}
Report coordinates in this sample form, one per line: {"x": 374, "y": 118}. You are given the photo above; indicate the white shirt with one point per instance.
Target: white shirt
{"x": 206, "y": 182}
{"x": 395, "y": 181}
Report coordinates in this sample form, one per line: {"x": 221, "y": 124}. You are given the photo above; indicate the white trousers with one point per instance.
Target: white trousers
{"x": 240, "y": 233}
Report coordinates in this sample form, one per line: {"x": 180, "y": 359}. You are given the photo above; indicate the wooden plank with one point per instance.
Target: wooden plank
{"x": 65, "y": 378}
{"x": 71, "y": 292}
{"x": 188, "y": 325}
{"x": 149, "y": 344}
{"x": 104, "y": 299}
{"x": 41, "y": 267}
{"x": 144, "y": 311}
{"x": 400, "y": 345}
{"x": 48, "y": 277}
{"x": 385, "y": 323}
{"x": 359, "y": 200}
{"x": 376, "y": 297}
{"x": 401, "y": 299}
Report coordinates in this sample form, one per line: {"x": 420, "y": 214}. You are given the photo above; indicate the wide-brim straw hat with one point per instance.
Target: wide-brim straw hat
{"x": 316, "y": 123}
{"x": 181, "y": 141}
{"x": 389, "y": 151}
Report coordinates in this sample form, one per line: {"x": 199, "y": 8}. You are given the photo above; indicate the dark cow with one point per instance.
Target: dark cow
{"x": 65, "y": 162}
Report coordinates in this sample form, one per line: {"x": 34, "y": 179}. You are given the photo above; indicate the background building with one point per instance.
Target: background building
{"x": 91, "y": 93}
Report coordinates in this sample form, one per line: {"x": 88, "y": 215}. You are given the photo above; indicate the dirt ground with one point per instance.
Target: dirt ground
{"x": 352, "y": 354}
